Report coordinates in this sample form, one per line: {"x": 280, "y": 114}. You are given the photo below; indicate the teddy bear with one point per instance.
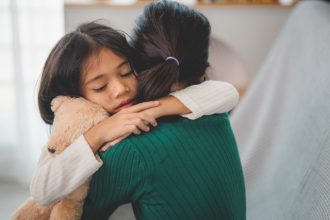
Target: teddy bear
{"x": 72, "y": 118}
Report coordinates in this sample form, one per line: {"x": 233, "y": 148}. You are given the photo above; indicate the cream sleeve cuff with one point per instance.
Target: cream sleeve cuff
{"x": 59, "y": 175}
{"x": 207, "y": 98}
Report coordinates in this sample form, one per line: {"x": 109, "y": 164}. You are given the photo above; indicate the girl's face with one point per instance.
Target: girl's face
{"x": 109, "y": 81}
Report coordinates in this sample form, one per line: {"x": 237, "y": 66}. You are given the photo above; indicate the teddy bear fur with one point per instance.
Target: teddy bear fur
{"x": 73, "y": 117}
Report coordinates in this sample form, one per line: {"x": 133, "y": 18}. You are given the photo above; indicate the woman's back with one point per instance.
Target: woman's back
{"x": 182, "y": 170}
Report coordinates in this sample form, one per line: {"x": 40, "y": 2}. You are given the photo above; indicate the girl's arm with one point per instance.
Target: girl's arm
{"x": 59, "y": 175}
{"x": 207, "y": 98}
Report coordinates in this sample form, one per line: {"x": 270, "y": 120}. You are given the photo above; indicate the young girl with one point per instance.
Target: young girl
{"x": 94, "y": 62}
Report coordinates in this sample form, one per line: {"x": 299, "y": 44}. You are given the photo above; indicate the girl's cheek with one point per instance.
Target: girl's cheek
{"x": 134, "y": 86}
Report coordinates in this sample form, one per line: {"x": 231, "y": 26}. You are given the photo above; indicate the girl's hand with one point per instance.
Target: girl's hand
{"x": 168, "y": 105}
{"x": 112, "y": 143}
{"x": 122, "y": 124}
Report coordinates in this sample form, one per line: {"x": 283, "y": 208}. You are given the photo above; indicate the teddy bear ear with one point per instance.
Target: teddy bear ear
{"x": 57, "y": 102}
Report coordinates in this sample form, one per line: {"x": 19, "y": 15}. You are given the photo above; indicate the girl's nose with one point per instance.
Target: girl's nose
{"x": 119, "y": 89}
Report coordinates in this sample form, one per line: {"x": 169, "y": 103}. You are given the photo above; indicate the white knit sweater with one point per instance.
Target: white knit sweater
{"x": 56, "y": 177}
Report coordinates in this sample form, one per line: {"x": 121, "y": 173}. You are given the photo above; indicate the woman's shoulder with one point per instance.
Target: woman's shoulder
{"x": 168, "y": 129}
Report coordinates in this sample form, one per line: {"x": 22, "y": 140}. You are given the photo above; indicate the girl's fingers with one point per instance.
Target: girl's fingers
{"x": 119, "y": 140}
{"x": 136, "y": 131}
{"x": 141, "y": 125}
{"x": 134, "y": 118}
{"x": 148, "y": 119}
{"x": 104, "y": 147}
{"x": 141, "y": 107}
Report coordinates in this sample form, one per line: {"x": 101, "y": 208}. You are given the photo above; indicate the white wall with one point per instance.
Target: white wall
{"x": 250, "y": 31}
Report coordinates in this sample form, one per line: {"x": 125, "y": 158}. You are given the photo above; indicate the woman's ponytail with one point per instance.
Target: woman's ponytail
{"x": 171, "y": 43}
{"x": 156, "y": 82}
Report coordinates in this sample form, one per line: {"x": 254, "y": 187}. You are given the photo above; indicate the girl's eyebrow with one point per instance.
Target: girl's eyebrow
{"x": 94, "y": 79}
{"x": 122, "y": 64}
{"x": 102, "y": 75}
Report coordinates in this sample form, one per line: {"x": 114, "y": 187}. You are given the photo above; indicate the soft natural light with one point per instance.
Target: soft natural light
{"x": 29, "y": 31}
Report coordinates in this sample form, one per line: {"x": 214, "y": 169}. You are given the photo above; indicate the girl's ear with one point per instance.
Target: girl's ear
{"x": 57, "y": 102}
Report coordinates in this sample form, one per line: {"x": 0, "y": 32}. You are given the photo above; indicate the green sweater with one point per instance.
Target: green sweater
{"x": 182, "y": 170}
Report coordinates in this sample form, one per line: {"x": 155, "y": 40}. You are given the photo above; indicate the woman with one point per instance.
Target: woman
{"x": 182, "y": 169}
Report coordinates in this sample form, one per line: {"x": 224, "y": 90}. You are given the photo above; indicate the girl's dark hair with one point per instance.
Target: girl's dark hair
{"x": 62, "y": 72}
{"x": 166, "y": 29}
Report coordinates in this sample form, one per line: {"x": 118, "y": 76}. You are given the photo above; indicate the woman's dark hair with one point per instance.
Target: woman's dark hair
{"x": 166, "y": 29}
{"x": 65, "y": 64}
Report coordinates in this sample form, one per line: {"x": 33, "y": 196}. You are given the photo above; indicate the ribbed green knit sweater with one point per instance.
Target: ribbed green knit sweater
{"x": 182, "y": 170}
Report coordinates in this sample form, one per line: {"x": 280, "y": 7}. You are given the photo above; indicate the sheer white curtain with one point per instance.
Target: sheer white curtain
{"x": 29, "y": 29}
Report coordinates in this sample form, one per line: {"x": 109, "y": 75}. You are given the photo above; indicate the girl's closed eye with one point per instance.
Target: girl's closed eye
{"x": 100, "y": 89}
{"x": 127, "y": 73}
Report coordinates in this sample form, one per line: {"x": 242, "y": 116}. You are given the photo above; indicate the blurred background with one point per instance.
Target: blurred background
{"x": 242, "y": 33}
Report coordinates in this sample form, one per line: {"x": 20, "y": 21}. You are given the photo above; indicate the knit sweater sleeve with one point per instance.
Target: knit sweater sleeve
{"x": 120, "y": 180}
{"x": 57, "y": 176}
{"x": 207, "y": 98}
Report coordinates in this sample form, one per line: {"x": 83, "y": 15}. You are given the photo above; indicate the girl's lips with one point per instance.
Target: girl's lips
{"x": 124, "y": 104}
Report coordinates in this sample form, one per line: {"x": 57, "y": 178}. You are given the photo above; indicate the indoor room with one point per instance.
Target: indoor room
{"x": 246, "y": 79}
